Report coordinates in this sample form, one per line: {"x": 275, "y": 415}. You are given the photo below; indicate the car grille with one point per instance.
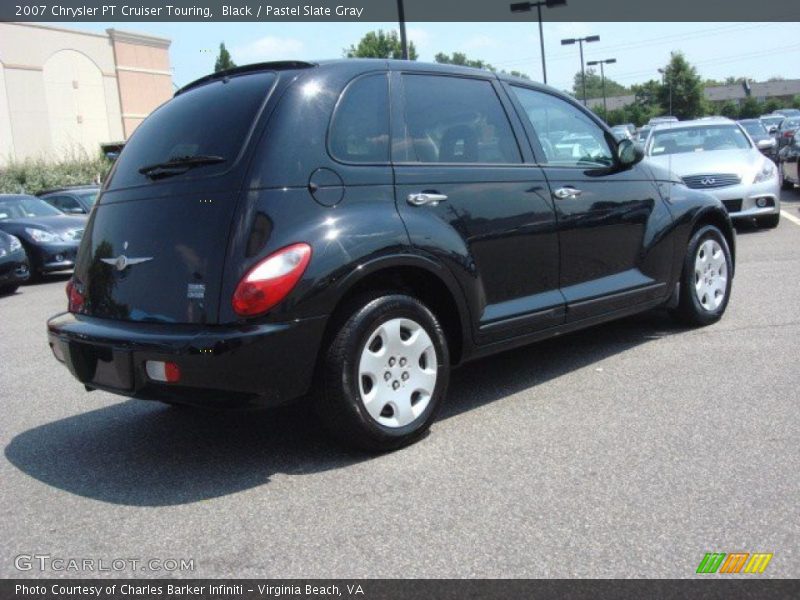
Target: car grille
{"x": 715, "y": 180}
{"x": 733, "y": 206}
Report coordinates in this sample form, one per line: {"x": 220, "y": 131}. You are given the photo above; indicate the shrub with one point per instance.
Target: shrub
{"x": 32, "y": 176}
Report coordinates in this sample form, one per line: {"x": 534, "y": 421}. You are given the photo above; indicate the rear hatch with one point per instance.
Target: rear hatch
{"x": 155, "y": 245}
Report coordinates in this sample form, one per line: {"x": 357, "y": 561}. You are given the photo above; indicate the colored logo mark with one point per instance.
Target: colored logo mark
{"x": 736, "y": 562}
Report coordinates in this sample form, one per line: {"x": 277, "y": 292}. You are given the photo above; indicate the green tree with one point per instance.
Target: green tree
{"x": 224, "y": 60}
{"x": 461, "y": 59}
{"x": 380, "y": 44}
{"x": 682, "y": 88}
{"x": 750, "y": 109}
{"x": 729, "y": 109}
{"x": 594, "y": 86}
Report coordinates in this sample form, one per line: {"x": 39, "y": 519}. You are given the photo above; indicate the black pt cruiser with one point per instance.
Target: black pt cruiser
{"x": 356, "y": 228}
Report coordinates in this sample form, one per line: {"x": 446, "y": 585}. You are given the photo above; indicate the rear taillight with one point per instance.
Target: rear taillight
{"x": 75, "y": 296}
{"x": 271, "y": 280}
{"x": 788, "y": 134}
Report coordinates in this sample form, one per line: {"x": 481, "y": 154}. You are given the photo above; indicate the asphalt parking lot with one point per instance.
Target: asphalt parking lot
{"x": 628, "y": 450}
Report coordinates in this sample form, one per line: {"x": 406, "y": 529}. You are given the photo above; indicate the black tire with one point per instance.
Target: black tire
{"x": 690, "y": 311}
{"x": 338, "y": 403}
{"x": 769, "y": 222}
{"x": 7, "y": 290}
{"x": 34, "y": 275}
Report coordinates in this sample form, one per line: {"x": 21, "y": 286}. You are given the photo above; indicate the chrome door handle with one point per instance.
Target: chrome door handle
{"x": 426, "y": 198}
{"x": 566, "y": 193}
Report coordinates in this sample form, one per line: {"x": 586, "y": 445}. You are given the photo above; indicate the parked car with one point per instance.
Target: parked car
{"x": 13, "y": 264}
{"x": 719, "y": 157}
{"x": 772, "y": 123}
{"x": 659, "y": 120}
{"x": 49, "y": 237}
{"x": 788, "y": 128}
{"x": 621, "y": 132}
{"x": 759, "y": 134}
{"x": 641, "y": 134}
{"x": 74, "y": 200}
{"x": 271, "y": 226}
{"x": 789, "y": 163}
{"x": 787, "y": 112}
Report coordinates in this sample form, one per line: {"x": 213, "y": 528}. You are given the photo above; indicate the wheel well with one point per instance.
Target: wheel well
{"x": 721, "y": 223}
{"x": 416, "y": 282}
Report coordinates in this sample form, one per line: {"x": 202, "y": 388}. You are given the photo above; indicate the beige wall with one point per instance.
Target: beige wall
{"x": 143, "y": 75}
{"x": 63, "y": 91}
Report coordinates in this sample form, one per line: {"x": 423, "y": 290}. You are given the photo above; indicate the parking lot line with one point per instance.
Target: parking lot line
{"x": 792, "y": 218}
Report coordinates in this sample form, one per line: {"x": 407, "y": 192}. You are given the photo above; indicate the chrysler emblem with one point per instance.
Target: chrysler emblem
{"x": 708, "y": 181}
{"x": 122, "y": 262}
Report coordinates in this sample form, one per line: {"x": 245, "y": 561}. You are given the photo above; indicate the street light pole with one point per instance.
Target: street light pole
{"x": 669, "y": 82}
{"x": 579, "y": 41}
{"x": 606, "y": 61}
{"x": 528, "y": 6}
{"x": 401, "y": 17}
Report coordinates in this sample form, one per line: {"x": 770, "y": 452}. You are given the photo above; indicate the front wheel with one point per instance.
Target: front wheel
{"x": 706, "y": 278}
{"x": 385, "y": 373}
{"x": 7, "y": 290}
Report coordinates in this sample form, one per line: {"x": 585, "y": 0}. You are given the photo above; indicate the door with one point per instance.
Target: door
{"x": 466, "y": 194}
{"x": 609, "y": 219}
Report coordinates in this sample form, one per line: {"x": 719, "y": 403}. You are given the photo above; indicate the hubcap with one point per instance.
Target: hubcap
{"x": 397, "y": 372}
{"x": 710, "y": 275}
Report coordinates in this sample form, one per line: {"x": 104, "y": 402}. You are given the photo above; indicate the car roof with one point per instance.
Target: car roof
{"x": 369, "y": 64}
{"x": 704, "y": 122}
{"x": 70, "y": 188}
{"x": 16, "y": 196}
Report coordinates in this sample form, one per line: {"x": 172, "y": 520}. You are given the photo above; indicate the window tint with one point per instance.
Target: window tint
{"x": 567, "y": 136}
{"x": 65, "y": 203}
{"x": 212, "y": 119}
{"x": 360, "y": 127}
{"x": 455, "y": 120}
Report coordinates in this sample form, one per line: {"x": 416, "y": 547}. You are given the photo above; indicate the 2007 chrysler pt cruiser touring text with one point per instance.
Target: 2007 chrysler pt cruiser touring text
{"x": 358, "y": 227}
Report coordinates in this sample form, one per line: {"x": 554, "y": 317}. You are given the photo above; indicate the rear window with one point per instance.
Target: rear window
{"x": 213, "y": 119}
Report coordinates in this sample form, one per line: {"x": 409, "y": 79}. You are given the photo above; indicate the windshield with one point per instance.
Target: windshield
{"x": 213, "y": 119}
{"x": 90, "y": 197}
{"x": 772, "y": 121}
{"x": 21, "y": 207}
{"x": 680, "y": 140}
{"x": 754, "y": 127}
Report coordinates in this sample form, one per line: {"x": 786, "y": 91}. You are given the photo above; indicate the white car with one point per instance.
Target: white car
{"x": 718, "y": 156}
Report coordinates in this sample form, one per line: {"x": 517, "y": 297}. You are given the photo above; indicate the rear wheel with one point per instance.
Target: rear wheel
{"x": 385, "y": 373}
{"x": 706, "y": 279}
{"x": 8, "y": 289}
{"x": 769, "y": 222}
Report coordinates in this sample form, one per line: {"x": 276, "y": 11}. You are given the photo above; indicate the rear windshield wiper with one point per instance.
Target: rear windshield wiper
{"x": 180, "y": 164}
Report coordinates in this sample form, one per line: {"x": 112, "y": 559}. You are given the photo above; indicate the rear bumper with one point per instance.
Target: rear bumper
{"x": 219, "y": 365}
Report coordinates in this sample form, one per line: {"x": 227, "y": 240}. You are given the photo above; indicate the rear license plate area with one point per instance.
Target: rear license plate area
{"x": 100, "y": 365}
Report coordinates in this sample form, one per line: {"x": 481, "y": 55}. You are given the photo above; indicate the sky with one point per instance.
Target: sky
{"x": 755, "y": 50}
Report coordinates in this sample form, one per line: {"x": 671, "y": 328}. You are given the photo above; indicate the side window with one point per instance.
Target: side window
{"x": 63, "y": 203}
{"x": 455, "y": 120}
{"x": 360, "y": 127}
{"x": 567, "y": 136}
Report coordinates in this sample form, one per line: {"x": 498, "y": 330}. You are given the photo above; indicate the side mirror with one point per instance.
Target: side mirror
{"x": 764, "y": 144}
{"x": 629, "y": 153}
{"x": 75, "y": 210}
